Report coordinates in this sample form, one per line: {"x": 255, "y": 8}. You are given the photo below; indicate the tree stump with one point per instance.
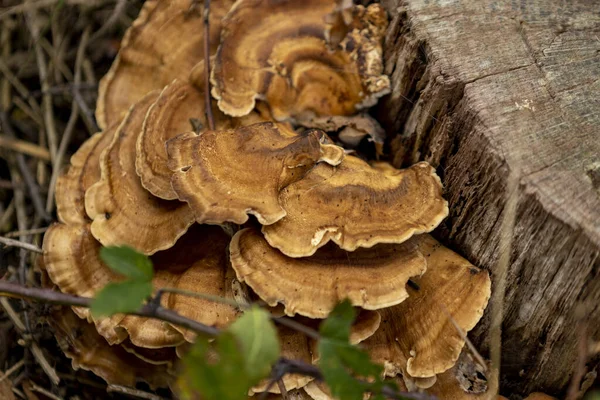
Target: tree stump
{"x": 482, "y": 89}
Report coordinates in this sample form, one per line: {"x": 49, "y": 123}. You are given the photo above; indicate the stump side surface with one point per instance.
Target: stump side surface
{"x": 482, "y": 89}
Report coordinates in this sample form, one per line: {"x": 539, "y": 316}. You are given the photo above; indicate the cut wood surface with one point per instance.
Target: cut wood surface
{"x": 484, "y": 88}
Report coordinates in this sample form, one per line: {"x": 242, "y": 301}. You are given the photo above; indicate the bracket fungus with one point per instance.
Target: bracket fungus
{"x": 355, "y": 205}
{"x": 171, "y": 114}
{"x": 122, "y": 211}
{"x": 89, "y": 351}
{"x": 329, "y": 226}
{"x": 226, "y": 175}
{"x": 149, "y": 59}
{"x": 311, "y": 286}
{"x": 423, "y": 336}
{"x": 83, "y": 172}
{"x": 276, "y": 51}
{"x": 72, "y": 260}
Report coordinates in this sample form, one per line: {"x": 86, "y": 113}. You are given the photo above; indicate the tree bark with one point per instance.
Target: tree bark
{"x": 481, "y": 89}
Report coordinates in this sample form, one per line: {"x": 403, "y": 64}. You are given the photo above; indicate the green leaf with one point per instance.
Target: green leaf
{"x": 216, "y": 371}
{"x": 127, "y": 261}
{"x": 342, "y": 384}
{"x": 338, "y": 323}
{"x": 121, "y": 297}
{"x": 257, "y": 335}
{"x": 341, "y": 363}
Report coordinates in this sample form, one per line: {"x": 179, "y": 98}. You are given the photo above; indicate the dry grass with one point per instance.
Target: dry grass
{"x": 53, "y": 52}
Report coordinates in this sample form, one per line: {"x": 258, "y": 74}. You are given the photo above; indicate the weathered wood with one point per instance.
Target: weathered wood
{"x": 483, "y": 88}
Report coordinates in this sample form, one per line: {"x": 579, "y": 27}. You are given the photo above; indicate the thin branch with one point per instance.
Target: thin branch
{"x": 15, "y": 243}
{"x": 47, "y": 393}
{"x": 85, "y": 111}
{"x": 204, "y": 296}
{"x": 282, "y": 389}
{"x": 20, "y": 87}
{"x": 12, "y": 369}
{"x": 207, "y": 99}
{"x": 24, "y": 147}
{"x": 295, "y": 325}
{"x": 140, "y": 394}
{"x": 26, "y": 232}
{"x": 52, "y": 297}
{"x": 9, "y": 211}
{"x": 282, "y": 367}
{"x": 464, "y": 337}
{"x": 285, "y": 321}
{"x": 111, "y": 21}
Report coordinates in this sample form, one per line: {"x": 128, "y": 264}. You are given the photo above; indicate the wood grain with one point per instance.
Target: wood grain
{"x": 482, "y": 88}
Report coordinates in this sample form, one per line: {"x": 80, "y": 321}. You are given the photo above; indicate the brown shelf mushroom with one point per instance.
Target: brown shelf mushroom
{"x": 83, "y": 172}
{"x": 89, "y": 351}
{"x": 165, "y": 42}
{"x": 169, "y": 116}
{"x": 371, "y": 278}
{"x": 355, "y": 205}
{"x": 71, "y": 258}
{"x": 122, "y": 211}
{"x": 418, "y": 337}
{"x": 276, "y": 51}
{"x": 226, "y": 175}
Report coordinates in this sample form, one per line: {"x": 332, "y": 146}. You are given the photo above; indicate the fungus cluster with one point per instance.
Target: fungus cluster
{"x": 269, "y": 205}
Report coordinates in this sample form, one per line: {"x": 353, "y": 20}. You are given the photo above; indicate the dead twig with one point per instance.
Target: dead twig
{"x": 9, "y": 212}
{"x": 37, "y": 352}
{"x": 111, "y": 21}
{"x": 36, "y": 388}
{"x": 20, "y": 87}
{"x": 207, "y": 99}
{"x": 290, "y": 323}
{"x": 140, "y": 394}
{"x": 282, "y": 389}
{"x": 24, "y": 147}
{"x": 464, "y": 337}
{"x": 26, "y": 232}
{"x": 15, "y": 243}
{"x": 12, "y": 370}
